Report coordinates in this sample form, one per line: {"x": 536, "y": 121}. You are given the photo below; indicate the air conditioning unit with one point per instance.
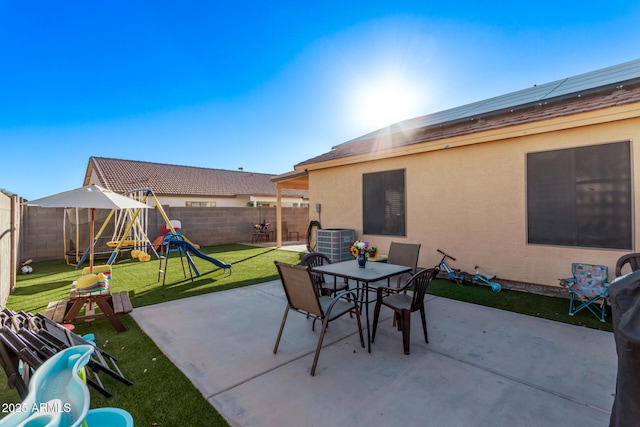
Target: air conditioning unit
{"x": 335, "y": 243}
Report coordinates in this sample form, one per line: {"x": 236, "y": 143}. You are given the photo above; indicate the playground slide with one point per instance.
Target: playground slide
{"x": 157, "y": 244}
{"x": 188, "y": 247}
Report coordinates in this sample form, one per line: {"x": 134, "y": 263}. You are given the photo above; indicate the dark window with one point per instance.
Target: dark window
{"x": 383, "y": 203}
{"x": 580, "y": 197}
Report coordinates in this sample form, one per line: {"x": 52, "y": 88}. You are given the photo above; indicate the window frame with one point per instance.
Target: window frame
{"x": 575, "y": 201}
{"x": 371, "y": 185}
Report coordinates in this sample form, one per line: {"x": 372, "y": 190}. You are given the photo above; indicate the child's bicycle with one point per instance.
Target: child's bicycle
{"x": 454, "y": 274}
{"x": 487, "y": 280}
{"x": 460, "y": 276}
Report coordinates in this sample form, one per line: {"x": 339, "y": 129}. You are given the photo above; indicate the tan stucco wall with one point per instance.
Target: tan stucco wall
{"x": 470, "y": 201}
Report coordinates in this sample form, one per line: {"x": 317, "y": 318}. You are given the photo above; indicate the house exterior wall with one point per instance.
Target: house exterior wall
{"x": 470, "y": 199}
{"x": 219, "y": 201}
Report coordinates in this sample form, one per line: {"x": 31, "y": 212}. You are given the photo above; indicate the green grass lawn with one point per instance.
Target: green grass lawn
{"x": 546, "y": 307}
{"x": 161, "y": 394}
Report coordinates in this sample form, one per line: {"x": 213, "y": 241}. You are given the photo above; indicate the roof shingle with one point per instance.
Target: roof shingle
{"x": 122, "y": 176}
{"x": 423, "y": 129}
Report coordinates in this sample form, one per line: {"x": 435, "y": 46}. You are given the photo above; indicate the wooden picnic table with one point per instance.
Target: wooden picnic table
{"x": 108, "y": 305}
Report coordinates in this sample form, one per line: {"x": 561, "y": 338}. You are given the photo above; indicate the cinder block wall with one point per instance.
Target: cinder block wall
{"x": 220, "y": 225}
{"x": 42, "y": 237}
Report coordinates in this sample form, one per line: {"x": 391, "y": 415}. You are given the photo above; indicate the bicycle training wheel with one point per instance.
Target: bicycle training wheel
{"x": 312, "y": 235}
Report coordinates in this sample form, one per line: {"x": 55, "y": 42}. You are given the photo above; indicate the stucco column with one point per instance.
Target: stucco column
{"x": 279, "y": 216}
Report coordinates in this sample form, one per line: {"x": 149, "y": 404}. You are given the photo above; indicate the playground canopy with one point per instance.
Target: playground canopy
{"x": 90, "y": 197}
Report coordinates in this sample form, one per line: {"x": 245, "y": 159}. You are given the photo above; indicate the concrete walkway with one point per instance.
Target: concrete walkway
{"x": 482, "y": 366}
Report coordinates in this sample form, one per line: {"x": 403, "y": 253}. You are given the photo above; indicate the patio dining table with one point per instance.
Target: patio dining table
{"x": 363, "y": 276}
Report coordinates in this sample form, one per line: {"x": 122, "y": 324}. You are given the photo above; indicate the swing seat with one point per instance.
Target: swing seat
{"x": 588, "y": 288}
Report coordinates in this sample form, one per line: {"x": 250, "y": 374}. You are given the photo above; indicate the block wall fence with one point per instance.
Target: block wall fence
{"x": 42, "y": 229}
{"x": 10, "y": 257}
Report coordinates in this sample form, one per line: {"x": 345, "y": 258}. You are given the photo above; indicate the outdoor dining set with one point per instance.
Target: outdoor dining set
{"x": 321, "y": 289}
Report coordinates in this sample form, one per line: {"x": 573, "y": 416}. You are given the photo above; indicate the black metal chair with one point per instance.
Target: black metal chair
{"x": 315, "y": 259}
{"x": 403, "y": 304}
{"x": 303, "y": 298}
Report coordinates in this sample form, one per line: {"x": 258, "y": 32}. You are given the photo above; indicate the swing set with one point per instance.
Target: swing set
{"x": 130, "y": 230}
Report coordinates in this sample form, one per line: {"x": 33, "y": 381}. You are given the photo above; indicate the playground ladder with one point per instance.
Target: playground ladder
{"x": 163, "y": 270}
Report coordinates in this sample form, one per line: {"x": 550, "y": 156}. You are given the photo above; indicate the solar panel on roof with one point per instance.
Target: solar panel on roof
{"x": 571, "y": 85}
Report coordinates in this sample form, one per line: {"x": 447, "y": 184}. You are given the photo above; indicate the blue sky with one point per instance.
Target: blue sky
{"x": 265, "y": 85}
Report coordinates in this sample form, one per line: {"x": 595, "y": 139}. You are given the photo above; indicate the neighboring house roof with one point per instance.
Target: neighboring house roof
{"x": 173, "y": 180}
{"x": 599, "y": 89}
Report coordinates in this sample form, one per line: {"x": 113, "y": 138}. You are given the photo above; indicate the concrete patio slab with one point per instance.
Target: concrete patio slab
{"x": 482, "y": 366}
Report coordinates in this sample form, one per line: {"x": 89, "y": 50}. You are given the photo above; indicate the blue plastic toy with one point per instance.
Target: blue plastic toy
{"x": 59, "y": 397}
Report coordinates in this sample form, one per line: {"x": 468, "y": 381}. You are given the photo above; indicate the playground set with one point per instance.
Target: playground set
{"x": 172, "y": 240}
{"x": 90, "y": 296}
{"x": 130, "y": 234}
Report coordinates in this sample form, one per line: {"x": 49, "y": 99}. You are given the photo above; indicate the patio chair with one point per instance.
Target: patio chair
{"x": 18, "y": 361}
{"x": 286, "y": 233}
{"x": 401, "y": 254}
{"x": 258, "y": 234}
{"x": 403, "y": 304}
{"x": 315, "y": 259}
{"x": 303, "y": 298}
{"x": 404, "y": 254}
{"x": 589, "y": 288}
{"x": 633, "y": 260}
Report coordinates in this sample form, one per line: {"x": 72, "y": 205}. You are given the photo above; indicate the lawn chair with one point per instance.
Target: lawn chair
{"x": 18, "y": 361}
{"x": 27, "y": 341}
{"x": 303, "y": 298}
{"x": 589, "y": 288}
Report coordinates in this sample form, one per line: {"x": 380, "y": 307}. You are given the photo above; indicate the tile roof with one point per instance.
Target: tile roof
{"x": 174, "y": 180}
{"x": 424, "y": 129}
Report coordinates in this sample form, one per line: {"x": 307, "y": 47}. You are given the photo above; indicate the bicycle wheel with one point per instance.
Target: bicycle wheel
{"x": 495, "y": 287}
{"x": 312, "y": 235}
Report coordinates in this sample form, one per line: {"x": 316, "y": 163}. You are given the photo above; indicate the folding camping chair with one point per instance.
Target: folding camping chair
{"x": 27, "y": 341}
{"x": 589, "y": 288}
